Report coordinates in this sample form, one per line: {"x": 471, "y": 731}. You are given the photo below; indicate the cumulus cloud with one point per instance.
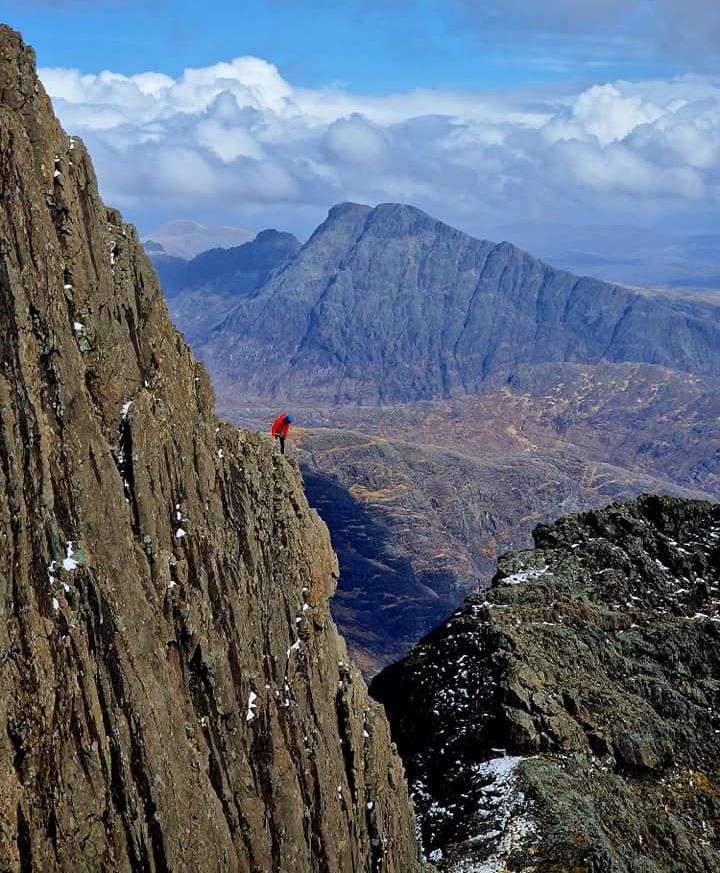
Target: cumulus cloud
{"x": 236, "y": 141}
{"x": 356, "y": 141}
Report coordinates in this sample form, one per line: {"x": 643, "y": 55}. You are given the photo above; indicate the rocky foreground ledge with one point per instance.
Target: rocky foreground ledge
{"x": 569, "y": 718}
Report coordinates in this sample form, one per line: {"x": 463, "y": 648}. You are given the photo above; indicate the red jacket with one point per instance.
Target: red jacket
{"x": 280, "y": 426}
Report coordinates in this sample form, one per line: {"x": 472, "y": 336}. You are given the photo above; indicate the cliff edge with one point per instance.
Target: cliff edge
{"x": 173, "y": 692}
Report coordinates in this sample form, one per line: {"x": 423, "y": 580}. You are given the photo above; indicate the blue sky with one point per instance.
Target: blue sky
{"x": 484, "y": 112}
{"x": 370, "y": 46}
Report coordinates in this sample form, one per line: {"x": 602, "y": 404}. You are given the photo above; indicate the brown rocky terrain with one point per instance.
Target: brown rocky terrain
{"x": 173, "y": 694}
{"x": 418, "y": 527}
{"x": 641, "y": 417}
{"x": 421, "y": 498}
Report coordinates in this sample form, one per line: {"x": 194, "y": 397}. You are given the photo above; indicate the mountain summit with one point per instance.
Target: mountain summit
{"x": 390, "y": 305}
{"x": 201, "y": 292}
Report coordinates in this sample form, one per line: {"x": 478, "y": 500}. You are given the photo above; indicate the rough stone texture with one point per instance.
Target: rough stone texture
{"x": 594, "y": 663}
{"x": 173, "y": 693}
{"x": 390, "y": 305}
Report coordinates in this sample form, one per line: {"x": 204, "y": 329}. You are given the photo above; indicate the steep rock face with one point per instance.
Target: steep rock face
{"x": 593, "y": 666}
{"x": 173, "y": 693}
{"x": 391, "y": 305}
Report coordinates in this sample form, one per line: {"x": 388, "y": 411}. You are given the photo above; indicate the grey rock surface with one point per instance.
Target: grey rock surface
{"x": 236, "y": 272}
{"x": 568, "y": 718}
{"x": 200, "y": 292}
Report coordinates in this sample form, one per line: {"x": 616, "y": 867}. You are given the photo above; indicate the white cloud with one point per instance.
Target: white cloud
{"x": 606, "y": 113}
{"x": 236, "y": 141}
{"x": 354, "y": 141}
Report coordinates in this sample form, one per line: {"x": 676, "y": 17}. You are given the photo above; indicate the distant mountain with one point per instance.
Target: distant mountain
{"x": 391, "y": 305}
{"x": 152, "y": 247}
{"x": 242, "y": 269}
{"x": 567, "y": 718}
{"x": 234, "y": 271}
{"x": 201, "y": 291}
{"x": 185, "y": 239}
{"x": 460, "y": 392}
{"x": 171, "y": 270}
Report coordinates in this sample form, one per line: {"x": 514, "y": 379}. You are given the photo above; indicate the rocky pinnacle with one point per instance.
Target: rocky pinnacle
{"x": 173, "y": 692}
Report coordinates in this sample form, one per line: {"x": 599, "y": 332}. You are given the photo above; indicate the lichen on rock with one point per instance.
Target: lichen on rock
{"x": 593, "y": 660}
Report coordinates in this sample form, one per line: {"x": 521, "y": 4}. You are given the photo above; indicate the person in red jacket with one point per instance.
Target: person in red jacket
{"x": 281, "y": 428}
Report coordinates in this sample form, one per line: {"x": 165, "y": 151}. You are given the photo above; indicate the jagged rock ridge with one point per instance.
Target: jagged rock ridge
{"x": 389, "y": 305}
{"x": 173, "y": 693}
{"x": 237, "y": 272}
{"x": 568, "y": 718}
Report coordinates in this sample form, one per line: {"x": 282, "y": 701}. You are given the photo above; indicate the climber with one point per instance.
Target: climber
{"x": 281, "y": 428}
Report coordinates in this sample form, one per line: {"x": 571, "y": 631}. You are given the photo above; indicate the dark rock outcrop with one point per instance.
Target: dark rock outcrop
{"x": 391, "y": 305}
{"x": 173, "y": 693}
{"x": 568, "y": 719}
